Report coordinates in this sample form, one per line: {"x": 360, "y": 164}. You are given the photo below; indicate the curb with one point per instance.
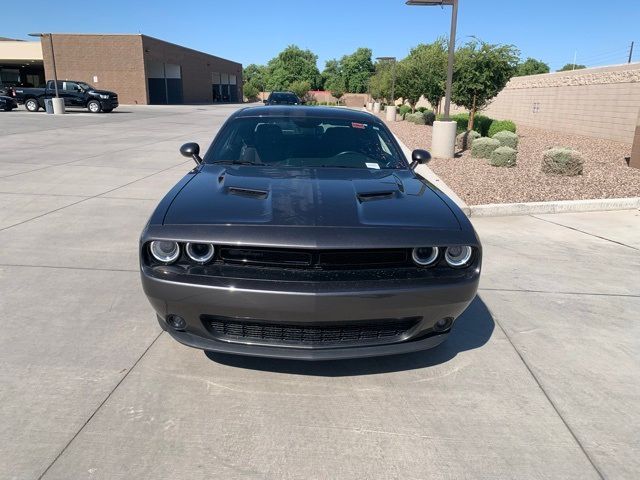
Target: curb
{"x": 564, "y": 206}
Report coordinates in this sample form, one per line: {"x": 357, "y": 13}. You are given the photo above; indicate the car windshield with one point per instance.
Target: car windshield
{"x": 85, "y": 86}
{"x": 283, "y": 98}
{"x": 305, "y": 143}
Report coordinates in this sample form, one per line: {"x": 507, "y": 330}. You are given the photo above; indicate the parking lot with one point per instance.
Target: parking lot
{"x": 539, "y": 379}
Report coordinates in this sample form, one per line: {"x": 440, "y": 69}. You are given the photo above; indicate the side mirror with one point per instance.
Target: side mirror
{"x": 191, "y": 150}
{"x": 419, "y": 157}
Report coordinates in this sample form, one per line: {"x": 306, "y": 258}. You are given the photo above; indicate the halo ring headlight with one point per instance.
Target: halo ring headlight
{"x": 200, "y": 252}
{"x": 165, "y": 251}
{"x": 458, "y": 256}
{"x": 425, "y": 256}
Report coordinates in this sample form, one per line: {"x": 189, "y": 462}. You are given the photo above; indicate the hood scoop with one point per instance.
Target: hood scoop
{"x": 381, "y": 195}
{"x": 248, "y": 192}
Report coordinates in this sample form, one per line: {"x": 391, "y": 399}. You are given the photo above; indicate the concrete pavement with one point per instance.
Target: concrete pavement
{"x": 540, "y": 378}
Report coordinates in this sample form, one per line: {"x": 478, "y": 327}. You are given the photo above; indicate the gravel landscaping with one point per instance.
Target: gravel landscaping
{"x": 605, "y": 174}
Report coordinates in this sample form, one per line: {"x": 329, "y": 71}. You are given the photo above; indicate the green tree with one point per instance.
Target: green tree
{"x": 336, "y": 86}
{"x": 255, "y": 74}
{"x": 300, "y": 88}
{"x": 572, "y": 66}
{"x": 291, "y": 65}
{"x": 481, "y": 70}
{"x": 531, "y": 66}
{"x": 250, "y": 91}
{"x": 331, "y": 69}
{"x": 380, "y": 83}
{"x": 423, "y": 72}
{"x": 356, "y": 69}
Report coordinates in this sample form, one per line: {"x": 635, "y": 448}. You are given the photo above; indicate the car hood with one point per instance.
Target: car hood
{"x": 104, "y": 92}
{"x": 321, "y": 197}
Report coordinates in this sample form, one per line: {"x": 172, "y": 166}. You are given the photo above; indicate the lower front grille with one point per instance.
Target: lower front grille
{"x": 372, "y": 331}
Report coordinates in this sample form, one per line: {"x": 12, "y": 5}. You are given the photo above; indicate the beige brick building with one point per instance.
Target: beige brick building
{"x": 141, "y": 69}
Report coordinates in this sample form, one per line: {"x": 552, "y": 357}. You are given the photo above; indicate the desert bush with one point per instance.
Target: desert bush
{"x": 464, "y": 140}
{"x": 421, "y": 109}
{"x": 417, "y": 118}
{"x": 482, "y": 124}
{"x": 501, "y": 126}
{"x": 503, "y": 157}
{"x": 482, "y": 147}
{"x": 507, "y": 139}
{"x": 403, "y": 110}
{"x": 429, "y": 117}
{"x": 562, "y": 161}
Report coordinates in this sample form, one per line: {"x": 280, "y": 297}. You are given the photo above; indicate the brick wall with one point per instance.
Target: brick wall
{"x": 197, "y": 68}
{"x": 599, "y": 102}
{"x": 116, "y": 60}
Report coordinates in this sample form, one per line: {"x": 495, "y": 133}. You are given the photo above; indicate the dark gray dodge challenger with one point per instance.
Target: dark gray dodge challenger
{"x": 305, "y": 233}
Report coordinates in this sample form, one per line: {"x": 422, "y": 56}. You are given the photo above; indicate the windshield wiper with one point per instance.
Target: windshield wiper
{"x": 234, "y": 162}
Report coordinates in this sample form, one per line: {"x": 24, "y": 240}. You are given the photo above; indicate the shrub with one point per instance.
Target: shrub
{"x": 464, "y": 140}
{"x": 403, "y": 110}
{"x": 507, "y": 139}
{"x": 503, "y": 157}
{"x": 482, "y": 124}
{"x": 562, "y": 161}
{"x": 501, "y": 126}
{"x": 421, "y": 109}
{"x": 482, "y": 147}
{"x": 429, "y": 117}
{"x": 417, "y": 118}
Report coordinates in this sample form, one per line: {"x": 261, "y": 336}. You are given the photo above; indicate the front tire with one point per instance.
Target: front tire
{"x": 94, "y": 106}
{"x": 31, "y": 104}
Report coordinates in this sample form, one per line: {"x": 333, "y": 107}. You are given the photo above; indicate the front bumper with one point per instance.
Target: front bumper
{"x": 109, "y": 104}
{"x": 308, "y": 304}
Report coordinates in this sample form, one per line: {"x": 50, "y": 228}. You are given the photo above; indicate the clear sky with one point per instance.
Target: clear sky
{"x": 254, "y": 31}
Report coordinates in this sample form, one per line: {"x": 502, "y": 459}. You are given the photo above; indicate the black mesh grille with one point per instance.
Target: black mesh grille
{"x": 380, "y": 331}
{"x": 315, "y": 259}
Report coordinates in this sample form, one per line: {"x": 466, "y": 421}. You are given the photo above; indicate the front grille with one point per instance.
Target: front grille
{"x": 316, "y": 259}
{"x": 372, "y": 331}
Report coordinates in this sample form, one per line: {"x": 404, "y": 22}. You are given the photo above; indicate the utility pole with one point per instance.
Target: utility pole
{"x": 575, "y": 54}
{"x": 630, "y": 52}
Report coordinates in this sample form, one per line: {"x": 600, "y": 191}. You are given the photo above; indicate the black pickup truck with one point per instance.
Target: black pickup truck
{"x": 74, "y": 93}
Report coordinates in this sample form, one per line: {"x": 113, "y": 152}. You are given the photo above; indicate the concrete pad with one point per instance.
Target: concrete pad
{"x": 97, "y": 233}
{"x": 526, "y": 253}
{"x": 584, "y": 351}
{"x": 439, "y": 414}
{"x": 9, "y": 169}
{"x": 72, "y": 180}
{"x": 79, "y": 333}
{"x": 154, "y": 187}
{"x": 620, "y": 226}
{"x": 16, "y": 208}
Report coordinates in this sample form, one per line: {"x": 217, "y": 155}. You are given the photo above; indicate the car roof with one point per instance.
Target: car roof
{"x": 307, "y": 111}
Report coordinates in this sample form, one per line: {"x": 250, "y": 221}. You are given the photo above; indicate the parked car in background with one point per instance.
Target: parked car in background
{"x": 282, "y": 98}
{"x": 305, "y": 233}
{"x": 7, "y": 103}
{"x": 75, "y": 94}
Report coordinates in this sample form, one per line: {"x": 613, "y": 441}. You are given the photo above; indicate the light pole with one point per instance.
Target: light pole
{"x": 444, "y": 133}
{"x": 58, "y": 103}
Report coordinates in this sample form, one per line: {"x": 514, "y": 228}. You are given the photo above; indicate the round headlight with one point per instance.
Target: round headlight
{"x": 165, "y": 251}
{"x": 200, "y": 252}
{"x": 425, "y": 256}
{"x": 458, "y": 256}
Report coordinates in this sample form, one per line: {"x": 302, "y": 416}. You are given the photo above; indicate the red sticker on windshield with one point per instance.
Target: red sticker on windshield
{"x": 358, "y": 125}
